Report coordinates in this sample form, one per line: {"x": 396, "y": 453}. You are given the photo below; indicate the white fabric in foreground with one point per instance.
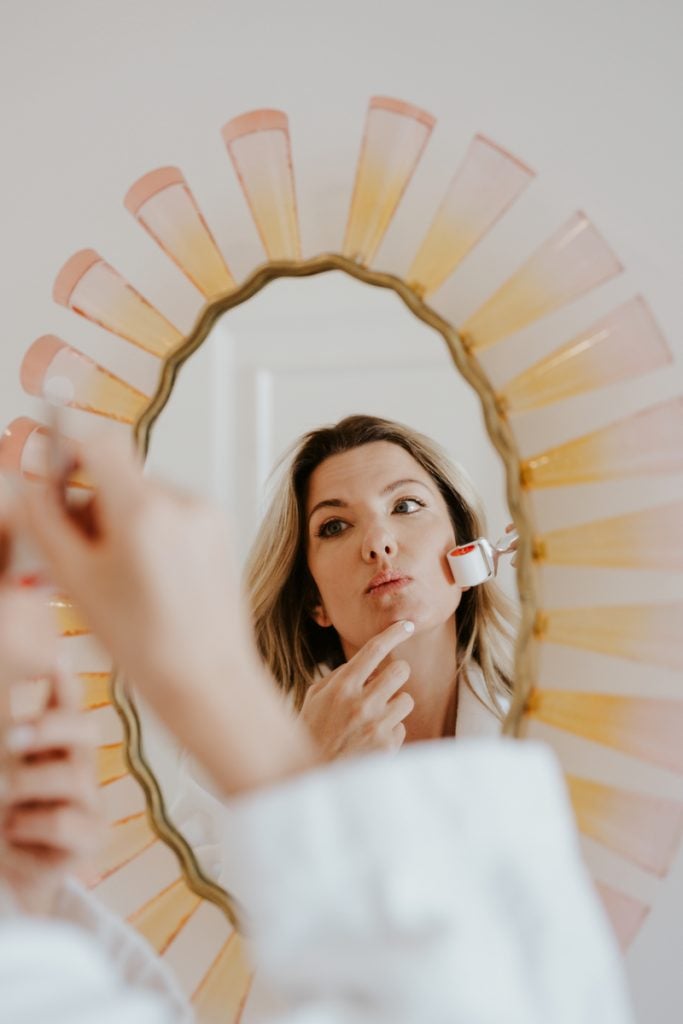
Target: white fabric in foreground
{"x": 441, "y": 886}
{"x": 53, "y": 973}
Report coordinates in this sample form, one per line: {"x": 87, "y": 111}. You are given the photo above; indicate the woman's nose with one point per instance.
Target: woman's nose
{"x": 378, "y": 543}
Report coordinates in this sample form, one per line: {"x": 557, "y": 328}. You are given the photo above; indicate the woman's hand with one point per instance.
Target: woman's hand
{"x": 152, "y": 574}
{"x": 48, "y": 822}
{"x": 50, "y": 825}
{"x": 358, "y": 707}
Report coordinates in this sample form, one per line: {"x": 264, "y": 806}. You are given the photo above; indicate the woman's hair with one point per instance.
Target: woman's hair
{"x": 282, "y": 592}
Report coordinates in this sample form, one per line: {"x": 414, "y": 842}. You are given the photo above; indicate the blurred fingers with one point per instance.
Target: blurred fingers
{"x": 64, "y": 828}
{"x": 28, "y": 637}
{"x": 74, "y": 735}
{"x": 48, "y": 781}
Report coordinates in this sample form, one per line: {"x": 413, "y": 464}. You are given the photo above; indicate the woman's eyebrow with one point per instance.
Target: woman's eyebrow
{"x": 338, "y": 503}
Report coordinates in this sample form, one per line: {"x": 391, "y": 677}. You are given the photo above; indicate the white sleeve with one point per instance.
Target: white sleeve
{"x": 444, "y": 885}
{"x": 129, "y": 956}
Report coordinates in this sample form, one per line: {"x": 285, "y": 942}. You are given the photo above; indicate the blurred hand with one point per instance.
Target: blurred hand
{"x": 152, "y": 574}
{"x": 151, "y": 571}
{"x": 50, "y": 825}
{"x": 359, "y": 706}
{"x": 48, "y": 822}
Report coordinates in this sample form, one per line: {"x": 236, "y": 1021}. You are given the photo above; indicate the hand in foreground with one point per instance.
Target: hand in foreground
{"x": 360, "y": 706}
{"x": 48, "y": 821}
{"x": 154, "y": 578}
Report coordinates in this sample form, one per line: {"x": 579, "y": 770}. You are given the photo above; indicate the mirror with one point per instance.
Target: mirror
{"x": 296, "y": 356}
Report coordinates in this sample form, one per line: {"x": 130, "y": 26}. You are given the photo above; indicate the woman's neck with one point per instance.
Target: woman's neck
{"x": 432, "y": 683}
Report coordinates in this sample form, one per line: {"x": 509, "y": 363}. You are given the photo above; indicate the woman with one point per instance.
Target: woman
{"x": 356, "y": 538}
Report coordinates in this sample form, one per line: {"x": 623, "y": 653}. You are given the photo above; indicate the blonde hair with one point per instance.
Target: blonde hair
{"x": 282, "y": 592}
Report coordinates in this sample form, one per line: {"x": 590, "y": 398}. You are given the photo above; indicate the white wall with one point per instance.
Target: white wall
{"x": 94, "y": 94}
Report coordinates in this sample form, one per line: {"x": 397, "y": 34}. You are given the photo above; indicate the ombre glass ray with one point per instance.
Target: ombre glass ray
{"x": 92, "y": 288}
{"x": 625, "y": 343}
{"x": 395, "y": 137}
{"x": 485, "y": 185}
{"x": 573, "y": 261}
{"x": 259, "y": 146}
{"x": 161, "y": 201}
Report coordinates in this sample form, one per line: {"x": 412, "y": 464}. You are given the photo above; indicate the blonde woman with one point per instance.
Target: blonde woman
{"x": 355, "y": 540}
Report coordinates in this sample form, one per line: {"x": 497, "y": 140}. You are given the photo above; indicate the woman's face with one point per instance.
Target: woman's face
{"x": 378, "y": 532}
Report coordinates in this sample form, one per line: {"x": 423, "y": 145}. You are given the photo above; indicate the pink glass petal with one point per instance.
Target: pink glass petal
{"x": 53, "y": 369}
{"x": 486, "y": 184}
{"x": 649, "y": 442}
{"x": 649, "y": 633}
{"x": 395, "y": 137}
{"x": 573, "y": 261}
{"x": 625, "y": 913}
{"x": 643, "y": 829}
{"x": 93, "y": 289}
{"x": 163, "y": 204}
{"x": 24, "y": 449}
{"x": 643, "y": 727}
{"x": 651, "y": 539}
{"x": 258, "y": 145}
{"x": 626, "y": 343}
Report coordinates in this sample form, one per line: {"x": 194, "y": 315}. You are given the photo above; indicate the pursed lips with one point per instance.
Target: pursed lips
{"x": 385, "y": 579}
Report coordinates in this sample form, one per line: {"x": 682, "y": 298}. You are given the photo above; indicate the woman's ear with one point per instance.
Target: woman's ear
{"x": 320, "y": 616}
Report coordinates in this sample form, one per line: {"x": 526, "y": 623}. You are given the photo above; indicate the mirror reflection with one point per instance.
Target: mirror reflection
{"x": 350, "y": 457}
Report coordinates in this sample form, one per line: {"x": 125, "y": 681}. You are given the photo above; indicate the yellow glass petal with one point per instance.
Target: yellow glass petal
{"x": 259, "y": 147}
{"x": 625, "y": 343}
{"x": 223, "y": 991}
{"x": 649, "y": 633}
{"x": 161, "y": 201}
{"x": 485, "y": 185}
{"x": 162, "y": 917}
{"x": 125, "y": 839}
{"x": 69, "y": 620}
{"x": 93, "y": 289}
{"x": 95, "y": 690}
{"x": 648, "y": 442}
{"x": 625, "y": 913}
{"x": 642, "y": 829}
{"x": 651, "y": 539}
{"x": 111, "y": 763}
{"x": 395, "y": 137}
{"x": 54, "y": 370}
{"x": 644, "y": 727}
{"x": 24, "y": 449}
{"x": 574, "y": 260}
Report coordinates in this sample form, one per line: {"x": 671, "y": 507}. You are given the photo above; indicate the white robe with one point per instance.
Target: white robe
{"x": 443, "y": 886}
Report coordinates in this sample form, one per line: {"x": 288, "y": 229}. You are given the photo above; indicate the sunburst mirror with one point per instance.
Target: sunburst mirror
{"x": 540, "y": 361}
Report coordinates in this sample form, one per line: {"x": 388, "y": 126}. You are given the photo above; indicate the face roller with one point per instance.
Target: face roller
{"x": 477, "y": 562}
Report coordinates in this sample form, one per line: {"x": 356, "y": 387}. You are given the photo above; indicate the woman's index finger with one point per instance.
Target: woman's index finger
{"x": 371, "y": 654}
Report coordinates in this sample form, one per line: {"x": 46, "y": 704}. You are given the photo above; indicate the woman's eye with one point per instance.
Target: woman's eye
{"x": 407, "y": 505}
{"x": 332, "y": 528}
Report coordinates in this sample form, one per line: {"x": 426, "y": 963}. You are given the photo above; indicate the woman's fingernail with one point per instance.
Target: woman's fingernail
{"x": 409, "y": 626}
{"x": 20, "y": 738}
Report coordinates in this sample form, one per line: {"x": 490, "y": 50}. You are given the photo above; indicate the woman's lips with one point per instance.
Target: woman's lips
{"x": 388, "y": 583}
